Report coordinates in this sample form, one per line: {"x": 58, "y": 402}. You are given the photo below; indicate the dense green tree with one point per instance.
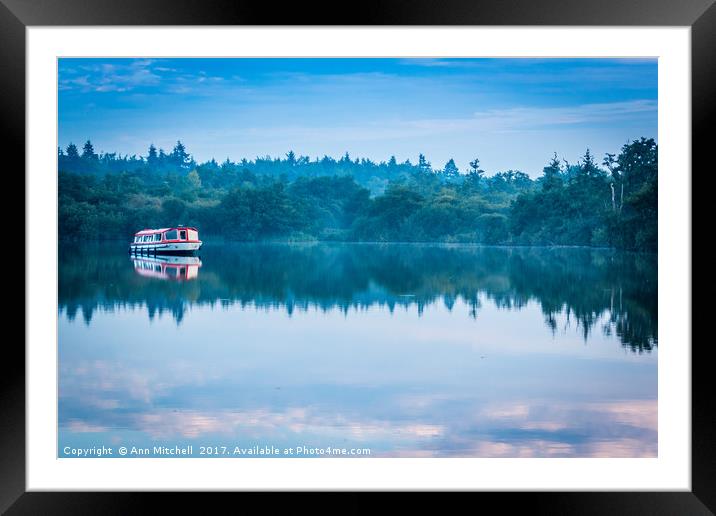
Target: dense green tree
{"x": 635, "y": 183}
{"x": 593, "y": 207}
{"x": 262, "y": 212}
{"x": 111, "y": 196}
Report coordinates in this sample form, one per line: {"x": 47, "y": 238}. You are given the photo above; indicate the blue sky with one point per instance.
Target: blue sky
{"x": 510, "y": 113}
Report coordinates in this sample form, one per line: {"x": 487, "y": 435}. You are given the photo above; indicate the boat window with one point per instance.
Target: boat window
{"x": 157, "y": 237}
{"x": 171, "y": 235}
{"x": 182, "y": 235}
{"x": 147, "y": 238}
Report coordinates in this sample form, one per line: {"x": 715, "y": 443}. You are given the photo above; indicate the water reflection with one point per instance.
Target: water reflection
{"x": 613, "y": 292}
{"x": 438, "y": 385}
{"x": 408, "y": 350}
{"x": 179, "y": 268}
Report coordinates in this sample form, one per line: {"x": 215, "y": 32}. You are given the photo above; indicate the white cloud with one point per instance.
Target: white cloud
{"x": 489, "y": 121}
{"x": 533, "y": 117}
{"x": 110, "y": 77}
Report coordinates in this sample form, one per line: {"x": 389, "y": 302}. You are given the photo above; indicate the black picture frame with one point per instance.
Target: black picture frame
{"x": 700, "y": 15}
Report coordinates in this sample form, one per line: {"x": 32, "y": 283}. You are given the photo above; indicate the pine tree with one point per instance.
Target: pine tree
{"x": 423, "y": 164}
{"x": 451, "y": 169}
{"x": 88, "y": 151}
{"x": 72, "y": 152}
{"x": 552, "y": 177}
{"x": 475, "y": 167}
{"x": 474, "y": 176}
{"x": 589, "y": 167}
{"x": 179, "y": 155}
{"x": 152, "y": 155}
{"x": 476, "y": 172}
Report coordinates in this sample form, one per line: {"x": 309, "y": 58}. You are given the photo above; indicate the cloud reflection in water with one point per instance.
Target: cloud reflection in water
{"x": 411, "y": 351}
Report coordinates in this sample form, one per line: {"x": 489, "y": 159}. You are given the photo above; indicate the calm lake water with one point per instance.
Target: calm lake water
{"x": 379, "y": 350}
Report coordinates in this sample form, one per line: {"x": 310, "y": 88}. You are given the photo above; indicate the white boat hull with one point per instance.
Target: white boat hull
{"x": 164, "y": 247}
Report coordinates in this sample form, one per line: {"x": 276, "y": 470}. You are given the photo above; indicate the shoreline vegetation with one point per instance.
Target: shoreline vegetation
{"x": 312, "y": 240}
{"x": 610, "y": 204}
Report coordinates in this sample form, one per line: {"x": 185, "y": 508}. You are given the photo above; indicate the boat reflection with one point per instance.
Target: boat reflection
{"x": 178, "y": 268}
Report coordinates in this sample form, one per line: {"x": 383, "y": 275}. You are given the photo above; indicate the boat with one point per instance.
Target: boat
{"x": 167, "y": 267}
{"x": 178, "y": 240}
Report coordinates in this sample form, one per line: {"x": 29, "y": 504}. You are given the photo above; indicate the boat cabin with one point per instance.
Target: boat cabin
{"x": 180, "y": 239}
{"x": 180, "y": 234}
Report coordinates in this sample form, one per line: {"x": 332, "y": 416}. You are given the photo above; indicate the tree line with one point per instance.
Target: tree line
{"x": 612, "y": 203}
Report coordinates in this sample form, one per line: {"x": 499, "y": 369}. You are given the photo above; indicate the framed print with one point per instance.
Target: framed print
{"x": 425, "y": 252}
